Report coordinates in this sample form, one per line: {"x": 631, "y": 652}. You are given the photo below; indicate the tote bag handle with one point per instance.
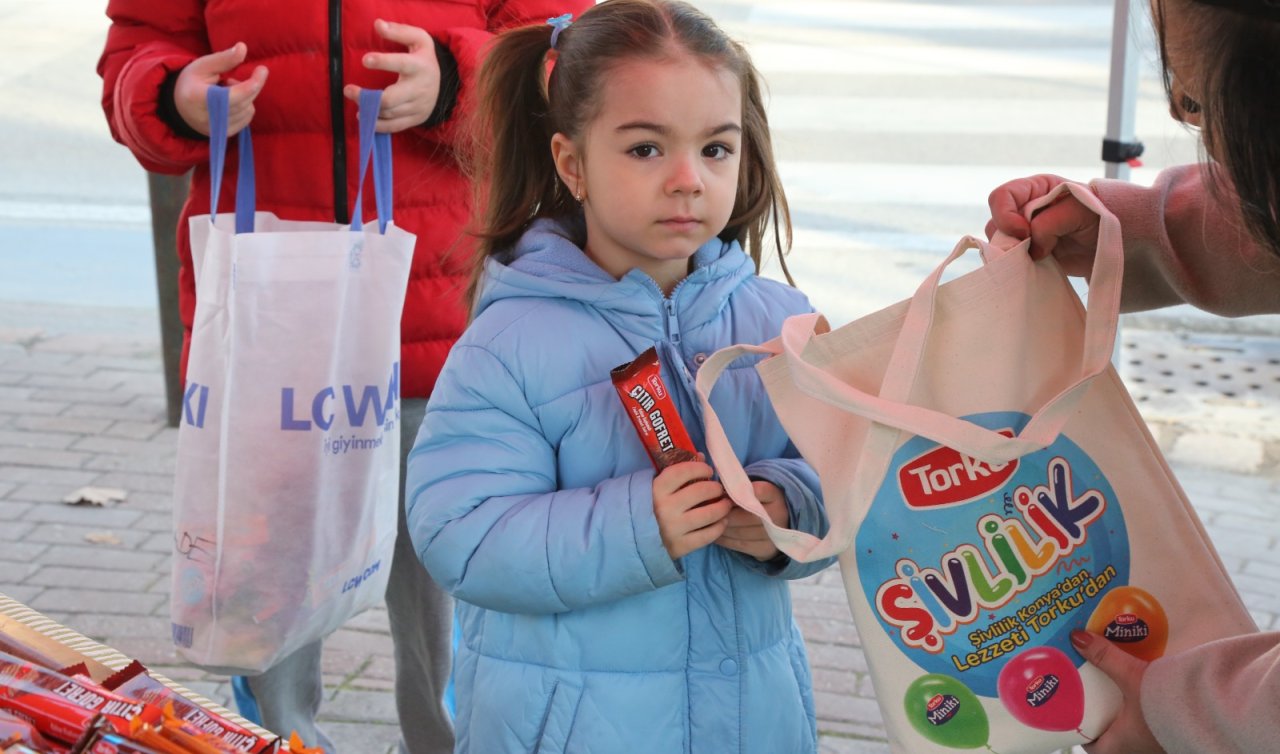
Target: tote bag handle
{"x": 889, "y": 411}
{"x": 374, "y": 147}
{"x": 889, "y": 408}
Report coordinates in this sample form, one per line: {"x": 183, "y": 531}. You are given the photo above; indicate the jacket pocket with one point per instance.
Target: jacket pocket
{"x": 557, "y": 720}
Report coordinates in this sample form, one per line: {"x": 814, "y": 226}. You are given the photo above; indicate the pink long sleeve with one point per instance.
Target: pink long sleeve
{"x": 1221, "y": 697}
{"x": 1182, "y": 245}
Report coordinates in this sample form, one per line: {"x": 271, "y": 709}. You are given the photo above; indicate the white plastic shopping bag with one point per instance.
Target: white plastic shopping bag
{"x": 288, "y": 451}
{"x": 991, "y": 487}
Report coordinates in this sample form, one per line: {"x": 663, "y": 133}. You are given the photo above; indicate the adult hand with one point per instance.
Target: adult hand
{"x": 1065, "y": 229}
{"x": 691, "y": 508}
{"x": 192, "y": 87}
{"x": 745, "y": 532}
{"x": 409, "y": 101}
{"x": 1128, "y": 733}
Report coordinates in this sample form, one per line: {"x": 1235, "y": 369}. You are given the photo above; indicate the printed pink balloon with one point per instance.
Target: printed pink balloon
{"x": 1042, "y": 689}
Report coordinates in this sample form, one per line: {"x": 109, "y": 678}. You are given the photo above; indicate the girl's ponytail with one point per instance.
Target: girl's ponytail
{"x": 509, "y": 161}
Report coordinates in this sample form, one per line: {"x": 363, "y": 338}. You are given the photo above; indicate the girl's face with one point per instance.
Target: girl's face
{"x": 1181, "y": 56}
{"x": 657, "y": 169}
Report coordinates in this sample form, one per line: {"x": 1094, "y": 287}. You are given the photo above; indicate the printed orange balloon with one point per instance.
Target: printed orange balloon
{"x": 1133, "y": 620}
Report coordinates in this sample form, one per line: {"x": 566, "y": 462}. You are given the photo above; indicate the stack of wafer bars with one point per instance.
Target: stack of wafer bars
{"x": 63, "y": 693}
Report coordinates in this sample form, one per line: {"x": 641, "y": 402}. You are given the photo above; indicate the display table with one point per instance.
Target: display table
{"x": 65, "y": 647}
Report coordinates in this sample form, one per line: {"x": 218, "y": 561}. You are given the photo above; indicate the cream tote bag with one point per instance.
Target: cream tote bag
{"x": 288, "y": 451}
{"x": 991, "y": 487}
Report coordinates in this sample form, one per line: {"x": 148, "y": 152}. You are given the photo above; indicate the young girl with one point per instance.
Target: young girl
{"x": 603, "y": 607}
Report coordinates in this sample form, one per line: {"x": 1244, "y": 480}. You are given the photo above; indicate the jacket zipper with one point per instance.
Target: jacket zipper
{"x": 686, "y": 397}
{"x": 672, "y": 319}
{"x": 336, "y": 102}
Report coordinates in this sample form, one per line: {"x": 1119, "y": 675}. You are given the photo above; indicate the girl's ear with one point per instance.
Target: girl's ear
{"x": 568, "y": 160}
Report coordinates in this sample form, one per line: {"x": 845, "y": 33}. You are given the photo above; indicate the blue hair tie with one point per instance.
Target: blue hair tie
{"x": 559, "y": 24}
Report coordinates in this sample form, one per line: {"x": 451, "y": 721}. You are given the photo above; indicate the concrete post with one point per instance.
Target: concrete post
{"x": 168, "y": 192}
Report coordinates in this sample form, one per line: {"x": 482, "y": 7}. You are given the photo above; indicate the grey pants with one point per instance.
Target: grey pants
{"x": 421, "y": 616}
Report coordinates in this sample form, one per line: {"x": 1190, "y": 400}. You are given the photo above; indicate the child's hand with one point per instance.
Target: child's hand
{"x": 689, "y": 506}
{"x": 745, "y": 532}
{"x": 190, "y": 91}
{"x": 410, "y": 101}
{"x": 1128, "y": 733}
{"x": 1065, "y": 229}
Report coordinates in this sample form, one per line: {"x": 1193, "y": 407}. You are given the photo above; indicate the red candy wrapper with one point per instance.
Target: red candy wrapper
{"x": 15, "y": 730}
{"x": 62, "y": 707}
{"x": 648, "y": 403}
{"x": 133, "y": 681}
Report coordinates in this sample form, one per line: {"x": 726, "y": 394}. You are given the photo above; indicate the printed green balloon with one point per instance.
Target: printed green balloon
{"x": 946, "y": 712}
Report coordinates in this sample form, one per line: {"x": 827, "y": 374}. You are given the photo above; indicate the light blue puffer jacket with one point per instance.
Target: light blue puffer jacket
{"x": 530, "y": 500}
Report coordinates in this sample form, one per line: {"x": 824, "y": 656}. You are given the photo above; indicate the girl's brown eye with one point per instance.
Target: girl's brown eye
{"x": 1189, "y": 106}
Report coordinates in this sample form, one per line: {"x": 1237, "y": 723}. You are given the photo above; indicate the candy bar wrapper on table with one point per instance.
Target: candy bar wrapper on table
{"x": 32, "y": 645}
{"x": 991, "y": 487}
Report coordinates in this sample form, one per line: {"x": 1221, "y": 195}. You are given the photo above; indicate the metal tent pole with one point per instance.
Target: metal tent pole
{"x": 1119, "y": 146}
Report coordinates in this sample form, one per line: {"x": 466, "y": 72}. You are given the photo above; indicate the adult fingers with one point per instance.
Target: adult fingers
{"x": 1062, "y": 219}
{"x": 1006, "y": 203}
{"x": 1008, "y": 200}
{"x": 1120, "y": 666}
{"x": 412, "y": 37}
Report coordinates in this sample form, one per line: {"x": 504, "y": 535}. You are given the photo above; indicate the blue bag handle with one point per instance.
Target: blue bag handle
{"x": 219, "y": 101}
{"x": 379, "y": 144}
{"x": 375, "y": 146}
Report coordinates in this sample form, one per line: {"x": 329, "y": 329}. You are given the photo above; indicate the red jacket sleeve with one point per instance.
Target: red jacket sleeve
{"x": 468, "y": 48}
{"x": 147, "y": 41}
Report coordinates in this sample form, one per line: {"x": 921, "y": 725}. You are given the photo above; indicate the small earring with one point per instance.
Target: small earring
{"x": 578, "y": 196}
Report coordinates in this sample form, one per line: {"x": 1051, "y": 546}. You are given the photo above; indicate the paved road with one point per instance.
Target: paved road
{"x": 892, "y": 119}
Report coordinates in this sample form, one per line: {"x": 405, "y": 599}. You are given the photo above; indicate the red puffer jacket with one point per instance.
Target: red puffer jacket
{"x": 304, "y": 130}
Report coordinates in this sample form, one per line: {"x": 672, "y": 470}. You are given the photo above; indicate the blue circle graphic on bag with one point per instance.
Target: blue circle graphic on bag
{"x": 966, "y": 564}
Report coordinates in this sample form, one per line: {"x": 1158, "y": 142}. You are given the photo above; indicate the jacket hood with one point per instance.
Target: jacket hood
{"x": 548, "y": 262}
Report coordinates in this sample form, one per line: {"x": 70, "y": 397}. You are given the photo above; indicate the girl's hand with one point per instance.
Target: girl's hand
{"x": 409, "y": 101}
{"x": 691, "y": 508}
{"x": 1128, "y": 733}
{"x": 1065, "y": 229}
{"x": 745, "y": 532}
{"x": 191, "y": 89}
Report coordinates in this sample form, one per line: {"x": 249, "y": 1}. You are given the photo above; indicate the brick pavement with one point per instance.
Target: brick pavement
{"x": 81, "y": 403}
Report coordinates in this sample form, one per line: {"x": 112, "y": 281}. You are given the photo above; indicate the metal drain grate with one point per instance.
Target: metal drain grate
{"x": 1212, "y": 367}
